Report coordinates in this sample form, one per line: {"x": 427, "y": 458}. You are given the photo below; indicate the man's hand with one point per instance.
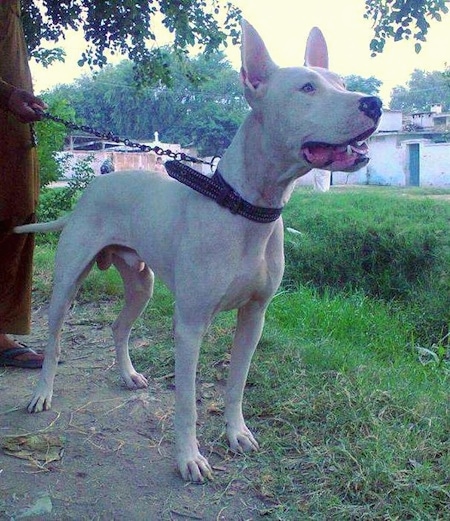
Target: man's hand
{"x": 23, "y": 105}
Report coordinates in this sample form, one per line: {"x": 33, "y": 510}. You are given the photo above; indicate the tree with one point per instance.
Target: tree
{"x": 128, "y": 27}
{"x": 205, "y": 114}
{"x": 423, "y": 90}
{"x": 215, "y": 108}
{"x": 370, "y": 86}
{"x": 402, "y": 19}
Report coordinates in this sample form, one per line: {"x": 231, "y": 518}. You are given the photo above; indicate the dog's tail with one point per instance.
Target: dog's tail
{"x": 52, "y": 226}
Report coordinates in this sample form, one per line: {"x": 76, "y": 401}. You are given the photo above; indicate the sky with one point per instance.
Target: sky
{"x": 284, "y": 26}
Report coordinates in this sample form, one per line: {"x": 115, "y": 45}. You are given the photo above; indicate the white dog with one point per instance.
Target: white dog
{"x": 213, "y": 259}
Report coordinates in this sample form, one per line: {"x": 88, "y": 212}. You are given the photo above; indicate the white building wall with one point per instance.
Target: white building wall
{"x": 387, "y": 161}
{"x": 391, "y": 121}
{"x": 424, "y": 120}
{"x": 435, "y": 164}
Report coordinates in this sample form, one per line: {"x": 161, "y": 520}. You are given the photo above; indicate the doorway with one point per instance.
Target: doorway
{"x": 414, "y": 164}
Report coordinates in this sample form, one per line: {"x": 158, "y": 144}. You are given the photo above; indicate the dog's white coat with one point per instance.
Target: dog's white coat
{"x": 211, "y": 259}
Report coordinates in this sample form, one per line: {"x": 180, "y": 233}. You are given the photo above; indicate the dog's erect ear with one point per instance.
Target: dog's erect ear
{"x": 257, "y": 65}
{"x": 316, "y": 54}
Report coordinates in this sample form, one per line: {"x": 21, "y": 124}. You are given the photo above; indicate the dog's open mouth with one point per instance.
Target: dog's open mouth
{"x": 346, "y": 156}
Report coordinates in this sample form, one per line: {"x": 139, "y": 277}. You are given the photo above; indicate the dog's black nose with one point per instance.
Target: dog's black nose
{"x": 371, "y": 106}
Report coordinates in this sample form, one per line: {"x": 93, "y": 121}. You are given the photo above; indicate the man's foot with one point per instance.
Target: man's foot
{"x": 15, "y": 354}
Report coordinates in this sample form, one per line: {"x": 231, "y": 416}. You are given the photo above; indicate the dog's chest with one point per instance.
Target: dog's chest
{"x": 256, "y": 279}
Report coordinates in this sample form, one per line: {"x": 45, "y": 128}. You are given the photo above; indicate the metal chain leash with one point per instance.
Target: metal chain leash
{"x": 109, "y": 136}
{"x": 215, "y": 187}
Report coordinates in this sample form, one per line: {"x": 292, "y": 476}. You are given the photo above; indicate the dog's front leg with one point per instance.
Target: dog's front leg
{"x": 192, "y": 465}
{"x": 248, "y": 332}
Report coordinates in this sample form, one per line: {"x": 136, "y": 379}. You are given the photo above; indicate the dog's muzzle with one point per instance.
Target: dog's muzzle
{"x": 352, "y": 154}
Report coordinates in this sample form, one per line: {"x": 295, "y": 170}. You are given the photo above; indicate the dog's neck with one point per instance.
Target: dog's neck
{"x": 255, "y": 170}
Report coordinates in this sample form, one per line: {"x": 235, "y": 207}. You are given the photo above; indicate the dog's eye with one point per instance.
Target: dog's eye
{"x": 308, "y": 88}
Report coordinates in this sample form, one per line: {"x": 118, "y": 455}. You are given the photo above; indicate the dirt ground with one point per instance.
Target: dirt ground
{"x": 113, "y": 456}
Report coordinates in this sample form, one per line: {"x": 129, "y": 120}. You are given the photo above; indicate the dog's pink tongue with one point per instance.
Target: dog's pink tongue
{"x": 337, "y": 158}
{"x": 318, "y": 156}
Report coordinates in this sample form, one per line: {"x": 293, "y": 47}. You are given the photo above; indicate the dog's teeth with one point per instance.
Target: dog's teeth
{"x": 349, "y": 149}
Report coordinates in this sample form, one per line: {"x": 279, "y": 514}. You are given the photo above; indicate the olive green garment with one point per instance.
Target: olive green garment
{"x": 19, "y": 182}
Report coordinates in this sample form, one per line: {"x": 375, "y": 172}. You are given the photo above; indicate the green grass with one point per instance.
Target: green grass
{"x": 390, "y": 244}
{"x": 353, "y": 418}
{"x": 383, "y": 242}
{"x": 354, "y": 426}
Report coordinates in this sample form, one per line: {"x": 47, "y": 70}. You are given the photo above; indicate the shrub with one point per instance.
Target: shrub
{"x": 54, "y": 202}
{"x": 51, "y": 136}
{"x": 381, "y": 261}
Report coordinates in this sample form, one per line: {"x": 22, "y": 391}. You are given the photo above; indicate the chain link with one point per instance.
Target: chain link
{"x": 109, "y": 136}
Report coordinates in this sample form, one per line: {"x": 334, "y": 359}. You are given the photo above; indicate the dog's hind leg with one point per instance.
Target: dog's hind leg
{"x": 138, "y": 285}
{"x": 248, "y": 332}
{"x": 69, "y": 274}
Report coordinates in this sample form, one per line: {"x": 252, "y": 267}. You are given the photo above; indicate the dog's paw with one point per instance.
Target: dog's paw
{"x": 135, "y": 381}
{"x": 194, "y": 468}
{"x": 40, "y": 402}
{"x": 241, "y": 439}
